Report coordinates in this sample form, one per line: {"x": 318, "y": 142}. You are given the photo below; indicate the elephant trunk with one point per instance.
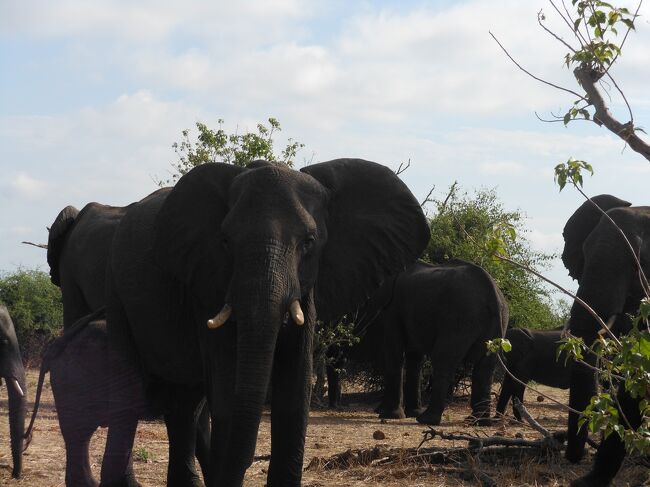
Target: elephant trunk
{"x": 16, "y": 390}
{"x": 259, "y": 305}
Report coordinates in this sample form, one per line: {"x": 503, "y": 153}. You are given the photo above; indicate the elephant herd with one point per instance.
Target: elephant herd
{"x": 192, "y": 302}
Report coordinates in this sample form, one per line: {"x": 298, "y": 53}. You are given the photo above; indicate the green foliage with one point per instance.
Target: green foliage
{"x": 472, "y": 229}
{"x": 141, "y": 454}
{"x": 238, "y": 149}
{"x": 571, "y": 171}
{"x": 623, "y": 362}
{"x": 498, "y": 345}
{"x": 35, "y": 306}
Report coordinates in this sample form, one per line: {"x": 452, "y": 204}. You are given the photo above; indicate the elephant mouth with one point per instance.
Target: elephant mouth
{"x": 295, "y": 313}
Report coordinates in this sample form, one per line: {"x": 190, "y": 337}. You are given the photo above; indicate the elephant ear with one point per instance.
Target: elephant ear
{"x": 579, "y": 226}
{"x": 187, "y": 239}
{"x": 375, "y": 228}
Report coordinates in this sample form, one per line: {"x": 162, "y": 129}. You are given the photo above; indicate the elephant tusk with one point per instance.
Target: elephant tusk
{"x": 16, "y": 385}
{"x": 221, "y": 317}
{"x": 296, "y": 313}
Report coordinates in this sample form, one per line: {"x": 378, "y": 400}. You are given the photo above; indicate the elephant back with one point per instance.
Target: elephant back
{"x": 56, "y": 240}
{"x": 580, "y": 225}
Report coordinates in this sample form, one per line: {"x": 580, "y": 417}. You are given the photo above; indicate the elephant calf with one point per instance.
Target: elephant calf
{"x": 532, "y": 358}
{"x": 447, "y": 311}
{"x": 79, "y": 374}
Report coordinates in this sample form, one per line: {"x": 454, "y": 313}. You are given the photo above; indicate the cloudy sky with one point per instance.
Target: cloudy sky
{"x": 93, "y": 93}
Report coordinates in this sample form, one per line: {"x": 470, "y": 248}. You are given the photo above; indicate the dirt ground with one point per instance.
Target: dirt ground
{"x": 329, "y": 433}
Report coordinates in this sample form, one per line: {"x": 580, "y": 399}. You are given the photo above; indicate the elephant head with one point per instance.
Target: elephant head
{"x": 13, "y": 373}
{"x": 273, "y": 248}
{"x": 579, "y": 226}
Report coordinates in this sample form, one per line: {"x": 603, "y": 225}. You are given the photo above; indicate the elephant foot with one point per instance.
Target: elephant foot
{"x": 483, "y": 420}
{"x": 429, "y": 418}
{"x": 414, "y": 412}
{"x": 591, "y": 480}
{"x": 574, "y": 454}
{"x": 379, "y": 408}
{"x": 397, "y": 413}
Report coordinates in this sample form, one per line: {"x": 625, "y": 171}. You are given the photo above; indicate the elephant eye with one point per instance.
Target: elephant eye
{"x": 308, "y": 243}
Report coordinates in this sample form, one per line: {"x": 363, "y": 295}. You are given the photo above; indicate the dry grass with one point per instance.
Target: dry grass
{"x": 329, "y": 433}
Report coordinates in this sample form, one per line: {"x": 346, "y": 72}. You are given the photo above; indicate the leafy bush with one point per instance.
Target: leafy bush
{"x": 238, "y": 149}
{"x": 35, "y": 306}
{"x": 464, "y": 227}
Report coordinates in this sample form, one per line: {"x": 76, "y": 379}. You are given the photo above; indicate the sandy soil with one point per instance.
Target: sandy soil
{"x": 329, "y": 433}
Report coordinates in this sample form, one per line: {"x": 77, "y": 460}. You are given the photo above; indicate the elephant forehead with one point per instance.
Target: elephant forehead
{"x": 274, "y": 202}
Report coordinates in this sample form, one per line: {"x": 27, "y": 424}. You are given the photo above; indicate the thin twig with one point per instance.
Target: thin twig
{"x": 40, "y": 246}
{"x": 403, "y": 167}
{"x": 532, "y": 75}
{"x": 428, "y": 199}
{"x": 539, "y": 21}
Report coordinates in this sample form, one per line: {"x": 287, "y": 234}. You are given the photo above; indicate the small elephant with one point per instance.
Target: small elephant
{"x": 533, "y": 357}
{"x": 447, "y": 311}
{"x": 79, "y": 374}
{"x": 13, "y": 373}
{"x": 596, "y": 254}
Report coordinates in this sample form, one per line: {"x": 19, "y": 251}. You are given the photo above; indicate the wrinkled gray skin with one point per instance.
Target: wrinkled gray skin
{"x": 78, "y": 248}
{"x": 448, "y": 312}
{"x": 532, "y": 358}
{"x": 597, "y": 255}
{"x": 13, "y": 373}
{"x": 258, "y": 239}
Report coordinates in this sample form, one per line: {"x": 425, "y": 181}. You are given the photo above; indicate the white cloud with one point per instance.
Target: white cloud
{"x": 501, "y": 168}
{"x": 28, "y": 187}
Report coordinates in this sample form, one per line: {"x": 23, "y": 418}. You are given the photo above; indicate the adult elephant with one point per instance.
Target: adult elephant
{"x": 270, "y": 247}
{"x": 77, "y": 253}
{"x": 533, "y": 357}
{"x": 608, "y": 281}
{"x": 447, "y": 311}
{"x": 13, "y": 373}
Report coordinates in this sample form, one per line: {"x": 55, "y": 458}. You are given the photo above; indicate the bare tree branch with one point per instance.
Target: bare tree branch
{"x": 40, "y": 246}
{"x": 403, "y": 167}
{"x": 532, "y": 75}
{"x": 428, "y": 198}
{"x": 585, "y": 76}
{"x": 540, "y": 16}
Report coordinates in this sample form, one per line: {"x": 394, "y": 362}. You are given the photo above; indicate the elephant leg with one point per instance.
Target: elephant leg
{"x": 412, "y": 385}
{"x": 518, "y": 391}
{"x": 333, "y": 385}
{"x": 391, "y": 406}
{"x": 611, "y": 450}
{"x": 126, "y": 402}
{"x": 582, "y": 387}
{"x": 505, "y": 395}
{"x": 180, "y": 420}
{"x": 291, "y": 380}
{"x": 481, "y": 398}
{"x": 446, "y": 357}
{"x": 77, "y": 460}
{"x": 202, "y": 426}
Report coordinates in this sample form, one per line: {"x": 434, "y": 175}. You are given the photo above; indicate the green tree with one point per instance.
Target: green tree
{"x": 35, "y": 306}
{"x": 217, "y": 145}
{"x": 464, "y": 227}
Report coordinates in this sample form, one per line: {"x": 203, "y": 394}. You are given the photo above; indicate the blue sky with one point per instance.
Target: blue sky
{"x": 93, "y": 93}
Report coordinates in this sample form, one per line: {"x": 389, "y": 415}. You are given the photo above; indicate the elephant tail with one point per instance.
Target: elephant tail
{"x": 56, "y": 240}
{"x": 45, "y": 368}
{"x": 54, "y": 349}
